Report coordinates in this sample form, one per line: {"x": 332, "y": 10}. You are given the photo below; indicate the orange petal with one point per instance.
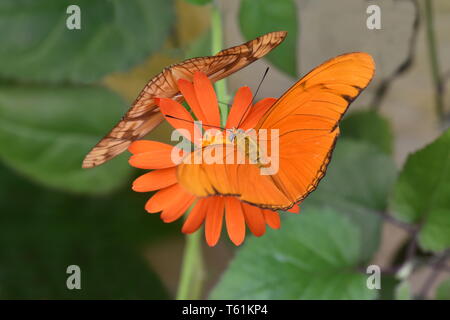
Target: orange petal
{"x": 294, "y": 209}
{"x": 214, "y": 219}
{"x": 207, "y": 99}
{"x": 177, "y": 209}
{"x": 272, "y": 219}
{"x": 255, "y": 219}
{"x": 157, "y": 159}
{"x": 256, "y": 113}
{"x": 188, "y": 92}
{"x": 184, "y": 121}
{"x": 234, "y": 218}
{"x": 196, "y": 217}
{"x": 164, "y": 198}
{"x": 158, "y": 179}
{"x": 240, "y": 107}
{"x": 141, "y": 146}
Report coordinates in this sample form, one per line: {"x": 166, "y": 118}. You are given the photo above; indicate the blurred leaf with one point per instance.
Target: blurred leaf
{"x": 200, "y": 47}
{"x": 192, "y": 22}
{"x": 314, "y": 256}
{"x": 435, "y": 235}
{"x": 129, "y": 84}
{"x": 388, "y": 285}
{"x": 368, "y": 126}
{"x": 403, "y": 291}
{"x": 357, "y": 184}
{"x": 443, "y": 291}
{"x": 50, "y": 231}
{"x": 199, "y": 2}
{"x": 422, "y": 193}
{"x": 45, "y": 132}
{"x": 114, "y": 35}
{"x": 360, "y": 174}
{"x": 257, "y": 17}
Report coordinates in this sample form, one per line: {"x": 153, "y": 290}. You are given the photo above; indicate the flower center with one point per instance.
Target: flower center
{"x": 215, "y": 137}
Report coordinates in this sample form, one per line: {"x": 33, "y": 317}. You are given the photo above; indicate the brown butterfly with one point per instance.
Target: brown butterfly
{"x": 144, "y": 115}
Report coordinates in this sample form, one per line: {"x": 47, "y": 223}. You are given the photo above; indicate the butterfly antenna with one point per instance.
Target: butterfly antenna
{"x": 190, "y": 121}
{"x": 254, "y": 97}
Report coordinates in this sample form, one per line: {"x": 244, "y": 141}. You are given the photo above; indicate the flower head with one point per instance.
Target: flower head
{"x": 171, "y": 198}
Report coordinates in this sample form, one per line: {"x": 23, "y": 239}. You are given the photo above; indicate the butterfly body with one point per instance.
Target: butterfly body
{"x": 233, "y": 133}
{"x": 247, "y": 143}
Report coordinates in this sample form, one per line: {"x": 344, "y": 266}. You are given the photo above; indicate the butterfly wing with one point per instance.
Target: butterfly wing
{"x": 144, "y": 116}
{"x": 203, "y": 178}
{"x": 307, "y": 118}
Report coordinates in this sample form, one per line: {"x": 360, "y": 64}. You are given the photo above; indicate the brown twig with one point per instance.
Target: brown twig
{"x": 385, "y": 84}
{"x": 437, "y": 268}
{"x": 434, "y": 60}
{"x": 411, "y": 229}
{"x": 412, "y": 248}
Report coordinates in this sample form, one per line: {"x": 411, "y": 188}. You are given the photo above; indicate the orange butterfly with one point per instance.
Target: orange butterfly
{"x": 307, "y": 118}
{"x": 144, "y": 115}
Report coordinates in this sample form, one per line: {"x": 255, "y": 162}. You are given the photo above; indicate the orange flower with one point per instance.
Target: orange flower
{"x": 172, "y": 199}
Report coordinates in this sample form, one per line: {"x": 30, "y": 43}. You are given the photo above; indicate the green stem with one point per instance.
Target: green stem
{"x": 434, "y": 61}
{"x": 216, "y": 46}
{"x": 191, "y": 277}
{"x": 192, "y": 268}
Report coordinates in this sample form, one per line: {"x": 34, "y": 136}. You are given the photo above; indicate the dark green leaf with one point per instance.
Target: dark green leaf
{"x": 435, "y": 235}
{"x": 422, "y": 193}
{"x": 443, "y": 291}
{"x": 368, "y": 126}
{"x": 357, "y": 184}
{"x": 314, "y": 256}
{"x": 388, "y": 286}
{"x": 257, "y": 17}
{"x": 114, "y": 36}
{"x": 403, "y": 291}
{"x": 199, "y": 2}
{"x": 45, "y": 132}
{"x": 50, "y": 231}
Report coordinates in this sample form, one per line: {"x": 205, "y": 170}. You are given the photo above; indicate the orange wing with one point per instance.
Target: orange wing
{"x": 307, "y": 117}
{"x": 144, "y": 116}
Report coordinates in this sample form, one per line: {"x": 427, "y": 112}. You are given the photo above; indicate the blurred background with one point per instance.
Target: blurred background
{"x": 61, "y": 90}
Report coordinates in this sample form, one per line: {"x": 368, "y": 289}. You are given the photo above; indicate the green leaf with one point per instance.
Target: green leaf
{"x": 357, "y": 184}
{"x": 388, "y": 286}
{"x": 368, "y": 126}
{"x": 51, "y": 230}
{"x": 199, "y": 2}
{"x": 314, "y": 256}
{"x": 45, "y": 132}
{"x": 403, "y": 291}
{"x": 422, "y": 193}
{"x": 200, "y": 47}
{"x": 443, "y": 291}
{"x": 435, "y": 235}
{"x": 114, "y": 36}
{"x": 257, "y": 17}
